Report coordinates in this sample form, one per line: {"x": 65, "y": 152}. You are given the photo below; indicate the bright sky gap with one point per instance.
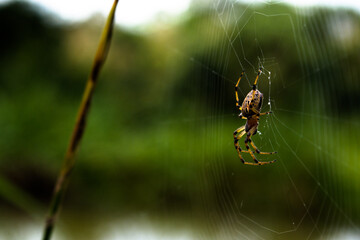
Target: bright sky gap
{"x": 134, "y": 13}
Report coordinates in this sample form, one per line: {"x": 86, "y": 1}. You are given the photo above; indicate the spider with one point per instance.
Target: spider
{"x": 250, "y": 110}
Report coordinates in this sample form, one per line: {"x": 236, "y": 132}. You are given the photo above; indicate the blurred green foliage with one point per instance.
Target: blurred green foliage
{"x": 159, "y": 136}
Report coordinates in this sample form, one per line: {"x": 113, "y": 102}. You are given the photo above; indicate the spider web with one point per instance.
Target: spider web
{"x": 314, "y": 178}
{"x": 310, "y": 83}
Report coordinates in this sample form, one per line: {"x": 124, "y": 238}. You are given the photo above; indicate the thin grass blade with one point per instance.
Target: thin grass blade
{"x": 69, "y": 161}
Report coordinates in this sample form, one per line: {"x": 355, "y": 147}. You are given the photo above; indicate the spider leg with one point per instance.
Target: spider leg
{"x": 258, "y": 151}
{"x": 240, "y": 129}
{"x": 236, "y": 142}
{"x": 248, "y": 139}
{"x": 257, "y": 77}
{"x": 236, "y": 92}
{"x": 241, "y": 116}
{"x": 264, "y": 113}
{"x": 242, "y": 132}
{"x": 252, "y": 143}
{"x": 255, "y": 83}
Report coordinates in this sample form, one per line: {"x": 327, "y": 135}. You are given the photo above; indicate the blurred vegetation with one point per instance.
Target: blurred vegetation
{"x": 159, "y": 136}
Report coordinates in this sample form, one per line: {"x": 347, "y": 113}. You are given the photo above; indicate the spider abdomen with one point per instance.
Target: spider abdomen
{"x": 250, "y": 107}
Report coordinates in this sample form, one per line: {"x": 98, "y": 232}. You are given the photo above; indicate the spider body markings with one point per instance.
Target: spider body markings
{"x": 250, "y": 110}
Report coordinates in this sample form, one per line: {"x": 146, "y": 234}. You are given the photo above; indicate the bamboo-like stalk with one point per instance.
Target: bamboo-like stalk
{"x": 69, "y": 161}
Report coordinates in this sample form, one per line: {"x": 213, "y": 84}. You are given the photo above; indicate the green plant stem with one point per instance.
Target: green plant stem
{"x": 69, "y": 161}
